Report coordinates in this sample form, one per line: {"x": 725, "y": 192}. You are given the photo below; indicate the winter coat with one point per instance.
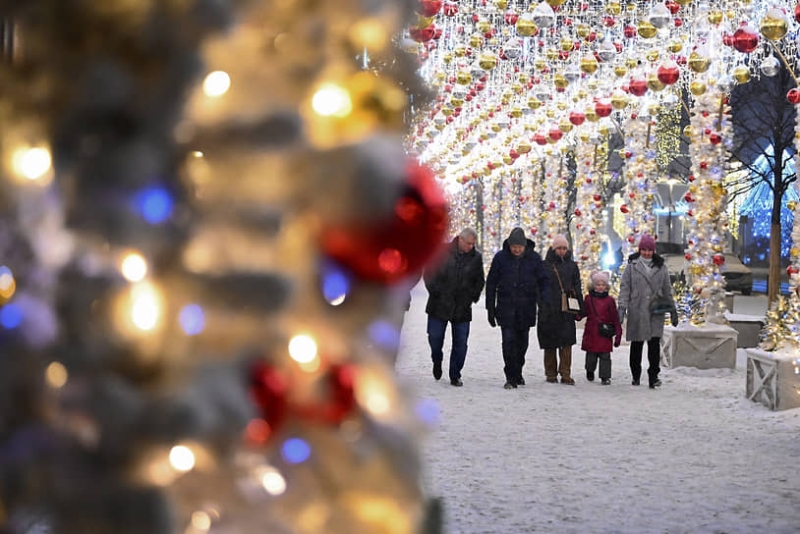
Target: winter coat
{"x": 599, "y": 308}
{"x": 638, "y": 288}
{"x": 556, "y": 329}
{"x": 514, "y": 286}
{"x": 454, "y": 283}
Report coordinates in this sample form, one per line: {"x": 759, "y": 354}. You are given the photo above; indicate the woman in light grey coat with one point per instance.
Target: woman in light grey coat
{"x": 645, "y": 280}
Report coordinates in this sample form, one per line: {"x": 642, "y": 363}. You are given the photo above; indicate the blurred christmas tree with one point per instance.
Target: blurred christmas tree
{"x": 210, "y": 228}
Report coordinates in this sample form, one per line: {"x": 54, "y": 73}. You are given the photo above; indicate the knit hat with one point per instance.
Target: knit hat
{"x": 517, "y": 237}
{"x": 560, "y": 241}
{"x": 646, "y": 242}
{"x": 598, "y": 276}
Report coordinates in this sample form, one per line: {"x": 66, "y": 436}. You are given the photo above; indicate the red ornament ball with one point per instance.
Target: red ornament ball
{"x": 638, "y": 86}
{"x": 268, "y": 391}
{"x": 603, "y": 108}
{"x": 428, "y": 8}
{"x": 793, "y": 96}
{"x": 388, "y": 250}
{"x": 577, "y": 118}
{"x": 718, "y": 259}
{"x": 745, "y": 39}
{"x": 668, "y": 73}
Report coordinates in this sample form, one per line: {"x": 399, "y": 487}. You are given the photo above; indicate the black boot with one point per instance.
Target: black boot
{"x": 437, "y": 370}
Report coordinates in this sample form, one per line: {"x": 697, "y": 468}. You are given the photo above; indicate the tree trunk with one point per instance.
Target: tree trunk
{"x": 774, "y": 281}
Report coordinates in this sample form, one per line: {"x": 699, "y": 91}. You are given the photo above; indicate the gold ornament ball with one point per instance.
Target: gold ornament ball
{"x": 588, "y": 64}
{"x": 555, "y": 3}
{"x": 675, "y": 46}
{"x": 791, "y": 204}
{"x": 697, "y": 88}
{"x": 646, "y": 30}
{"x": 714, "y": 16}
{"x": 741, "y": 74}
{"x": 566, "y": 44}
{"x": 698, "y": 63}
{"x": 475, "y": 40}
{"x": 565, "y": 126}
{"x": 463, "y": 77}
{"x": 619, "y": 101}
{"x": 652, "y": 55}
{"x": 688, "y": 131}
{"x": 484, "y": 26}
{"x": 591, "y": 115}
{"x": 560, "y": 81}
{"x": 583, "y": 30}
{"x": 653, "y": 83}
{"x": 551, "y": 54}
{"x": 501, "y": 4}
{"x": 487, "y": 61}
{"x": 774, "y": 25}
{"x": 620, "y": 70}
{"x": 534, "y": 103}
{"x": 614, "y": 7}
{"x": 525, "y": 26}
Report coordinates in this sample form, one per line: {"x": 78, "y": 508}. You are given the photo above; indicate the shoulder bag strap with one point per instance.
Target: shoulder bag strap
{"x": 559, "y": 278}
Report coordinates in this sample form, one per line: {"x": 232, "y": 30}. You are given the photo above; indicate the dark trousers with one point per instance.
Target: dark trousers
{"x": 515, "y": 345}
{"x": 605, "y": 363}
{"x": 458, "y": 349}
{"x": 653, "y": 359}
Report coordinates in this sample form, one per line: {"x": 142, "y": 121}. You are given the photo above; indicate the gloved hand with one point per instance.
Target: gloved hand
{"x": 492, "y": 321}
{"x": 622, "y": 312}
{"x": 673, "y": 315}
{"x": 617, "y": 341}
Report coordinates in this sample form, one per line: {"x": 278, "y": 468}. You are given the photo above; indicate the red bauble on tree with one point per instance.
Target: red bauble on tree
{"x": 603, "y": 108}
{"x": 392, "y": 248}
{"x": 718, "y": 259}
{"x": 268, "y": 391}
{"x": 338, "y": 397}
{"x": 793, "y": 96}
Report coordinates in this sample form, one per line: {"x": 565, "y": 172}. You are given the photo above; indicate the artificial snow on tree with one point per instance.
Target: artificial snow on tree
{"x": 201, "y": 330}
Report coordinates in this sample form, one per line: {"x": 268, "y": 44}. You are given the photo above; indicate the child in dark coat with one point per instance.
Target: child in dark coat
{"x": 599, "y": 307}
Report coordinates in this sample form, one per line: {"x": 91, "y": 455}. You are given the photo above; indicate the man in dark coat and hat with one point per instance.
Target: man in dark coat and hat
{"x": 516, "y": 282}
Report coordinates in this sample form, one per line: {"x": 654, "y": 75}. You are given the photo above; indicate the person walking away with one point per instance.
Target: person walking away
{"x": 516, "y": 281}
{"x": 600, "y": 308}
{"x": 645, "y": 293}
{"x": 556, "y": 328}
{"x": 454, "y": 282}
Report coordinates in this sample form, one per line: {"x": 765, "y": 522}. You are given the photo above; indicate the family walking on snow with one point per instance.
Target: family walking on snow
{"x": 523, "y": 290}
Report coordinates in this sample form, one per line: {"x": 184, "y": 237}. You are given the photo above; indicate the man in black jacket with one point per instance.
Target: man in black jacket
{"x": 516, "y": 282}
{"x": 454, "y": 283}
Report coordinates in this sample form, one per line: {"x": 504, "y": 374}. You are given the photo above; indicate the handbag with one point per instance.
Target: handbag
{"x": 569, "y": 303}
{"x": 605, "y": 329}
{"x": 661, "y": 305}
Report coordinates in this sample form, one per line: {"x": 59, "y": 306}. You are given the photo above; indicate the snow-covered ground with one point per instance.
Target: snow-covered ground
{"x": 694, "y": 456}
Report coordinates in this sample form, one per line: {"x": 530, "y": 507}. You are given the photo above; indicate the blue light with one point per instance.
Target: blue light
{"x": 296, "y": 450}
{"x": 10, "y": 316}
{"x": 384, "y": 334}
{"x": 155, "y": 204}
{"x": 192, "y": 319}
{"x": 335, "y": 286}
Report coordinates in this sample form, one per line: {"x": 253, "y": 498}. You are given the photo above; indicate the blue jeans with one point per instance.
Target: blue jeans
{"x": 458, "y": 350}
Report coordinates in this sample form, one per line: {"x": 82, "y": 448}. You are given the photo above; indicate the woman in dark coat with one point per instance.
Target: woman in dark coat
{"x": 515, "y": 283}
{"x": 556, "y": 329}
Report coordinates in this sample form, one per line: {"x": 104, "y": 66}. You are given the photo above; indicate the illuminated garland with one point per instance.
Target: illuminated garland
{"x": 589, "y": 204}
{"x": 640, "y": 175}
{"x": 554, "y": 197}
{"x": 711, "y": 134}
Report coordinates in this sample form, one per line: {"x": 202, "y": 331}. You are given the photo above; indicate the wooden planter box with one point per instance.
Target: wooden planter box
{"x": 773, "y": 379}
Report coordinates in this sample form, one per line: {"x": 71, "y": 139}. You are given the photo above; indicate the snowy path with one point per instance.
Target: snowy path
{"x": 692, "y": 457}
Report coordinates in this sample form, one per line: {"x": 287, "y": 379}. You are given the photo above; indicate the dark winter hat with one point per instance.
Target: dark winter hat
{"x": 646, "y": 242}
{"x": 517, "y": 237}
